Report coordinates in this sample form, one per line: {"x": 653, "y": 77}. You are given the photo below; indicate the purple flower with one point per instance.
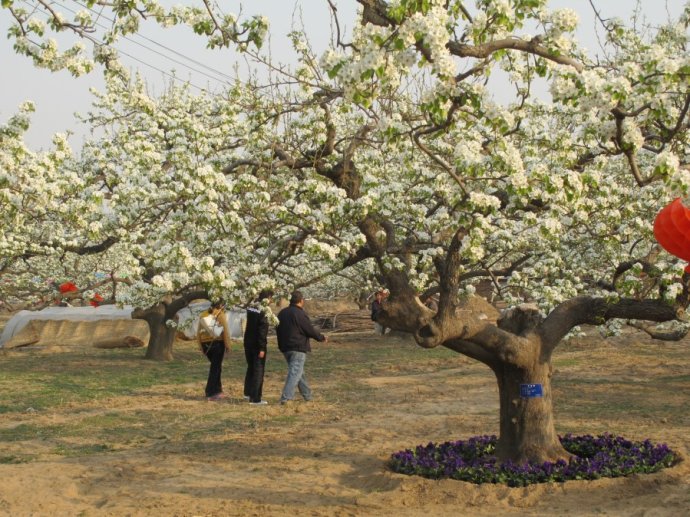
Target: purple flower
{"x": 473, "y": 460}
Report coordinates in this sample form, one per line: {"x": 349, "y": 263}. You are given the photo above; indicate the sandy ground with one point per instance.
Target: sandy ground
{"x": 327, "y": 457}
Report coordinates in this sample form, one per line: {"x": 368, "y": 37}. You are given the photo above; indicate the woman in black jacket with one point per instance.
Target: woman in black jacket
{"x": 255, "y": 342}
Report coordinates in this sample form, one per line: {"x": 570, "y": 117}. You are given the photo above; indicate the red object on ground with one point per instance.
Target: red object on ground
{"x": 672, "y": 230}
{"x": 67, "y": 287}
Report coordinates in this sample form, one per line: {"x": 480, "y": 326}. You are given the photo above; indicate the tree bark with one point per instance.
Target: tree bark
{"x": 162, "y": 336}
{"x": 527, "y": 431}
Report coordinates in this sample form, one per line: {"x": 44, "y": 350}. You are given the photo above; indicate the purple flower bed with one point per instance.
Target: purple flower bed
{"x": 472, "y": 460}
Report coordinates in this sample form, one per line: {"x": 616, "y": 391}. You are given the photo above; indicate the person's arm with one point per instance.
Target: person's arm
{"x": 223, "y": 317}
{"x": 308, "y": 328}
{"x": 262, "y": 334}
{"x": 199, "y": 332}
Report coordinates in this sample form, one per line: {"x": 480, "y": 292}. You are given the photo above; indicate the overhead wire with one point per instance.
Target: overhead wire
{"x": 147, "y": 48}
{"x": 171, "y": 50}
{"x": 96, "y": 42}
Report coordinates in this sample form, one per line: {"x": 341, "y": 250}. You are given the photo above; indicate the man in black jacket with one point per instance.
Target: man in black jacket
{"x": 294, "y": 330}
{"x": 255, "y": 341}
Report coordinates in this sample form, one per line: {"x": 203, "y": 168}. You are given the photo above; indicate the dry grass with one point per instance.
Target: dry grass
{"x": 103, "y": 432}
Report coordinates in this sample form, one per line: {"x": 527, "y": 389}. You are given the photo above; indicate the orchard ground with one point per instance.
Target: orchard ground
{"x": 105, "y": 433}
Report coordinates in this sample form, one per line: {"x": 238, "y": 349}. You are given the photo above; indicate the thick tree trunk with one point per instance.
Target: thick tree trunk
{"x": 527, "y": 431}
{"x": 517, "y": 348}
{"x": 161, "y": 341}
{"x": 161, "y": 335}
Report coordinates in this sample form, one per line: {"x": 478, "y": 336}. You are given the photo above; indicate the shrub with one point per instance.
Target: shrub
{"x": 473, "y": 460}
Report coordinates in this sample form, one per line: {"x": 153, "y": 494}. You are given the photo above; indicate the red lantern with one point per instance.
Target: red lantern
{"x": 67, "y": 287}
{"x": 672, "y": 230}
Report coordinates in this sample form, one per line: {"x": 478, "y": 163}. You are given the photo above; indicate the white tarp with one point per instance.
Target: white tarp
{"x": 188, "y": 319}
{"x": 104, "y": 312}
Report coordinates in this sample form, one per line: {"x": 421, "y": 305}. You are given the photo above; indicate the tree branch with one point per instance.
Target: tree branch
{"x": 532, "y": 46}
{"x": 595, "y": 311}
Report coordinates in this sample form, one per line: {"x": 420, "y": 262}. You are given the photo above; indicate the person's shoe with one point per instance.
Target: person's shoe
{"x": 247, "y": 397}
{"x": 260, "y": 403}
{"x": 217, "y": 396}
{"x": 284, "y": 402}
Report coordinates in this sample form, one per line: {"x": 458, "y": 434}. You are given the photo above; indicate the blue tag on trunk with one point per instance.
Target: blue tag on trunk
{"x": 528, "y": 391}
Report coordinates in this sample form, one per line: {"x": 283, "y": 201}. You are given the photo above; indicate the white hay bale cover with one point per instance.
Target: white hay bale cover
{"x": 106, "y": 326}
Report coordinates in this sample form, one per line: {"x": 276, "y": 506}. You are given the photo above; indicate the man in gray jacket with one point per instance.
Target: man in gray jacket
{"x": 294, "y": 330}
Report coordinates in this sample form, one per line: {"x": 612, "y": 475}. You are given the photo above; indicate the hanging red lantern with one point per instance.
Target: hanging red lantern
{"x": 672, "y": 230}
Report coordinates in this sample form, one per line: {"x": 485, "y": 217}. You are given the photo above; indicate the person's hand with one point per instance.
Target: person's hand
{"x": 325, "y": 339}
{"x": 262, "y": 354}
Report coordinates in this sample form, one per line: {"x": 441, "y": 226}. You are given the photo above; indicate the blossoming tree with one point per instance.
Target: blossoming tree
{"x": 551, "y": 204}
{"x": 40, "y": 204}
{"x": 391, "y": 155}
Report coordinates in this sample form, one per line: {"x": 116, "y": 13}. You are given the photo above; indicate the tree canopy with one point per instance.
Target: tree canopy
{"x": 389, "y": 149}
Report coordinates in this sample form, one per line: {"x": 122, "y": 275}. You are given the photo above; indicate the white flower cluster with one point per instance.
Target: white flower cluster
{"x": 483, "y": 201}
{"x": 433, "y": 27}
{"x": 544, "y": 186}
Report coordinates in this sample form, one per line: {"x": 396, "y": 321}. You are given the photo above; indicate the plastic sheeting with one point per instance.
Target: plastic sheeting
{"x": 187, "y": 318}
{"x": 104, "y": 312}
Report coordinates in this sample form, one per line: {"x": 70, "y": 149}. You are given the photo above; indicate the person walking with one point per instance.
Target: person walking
{"x": 376, "y": 308}
{"x": 294, "y": 331}
{"x": 255, "y": 344}
{"x": 213, "y": 335}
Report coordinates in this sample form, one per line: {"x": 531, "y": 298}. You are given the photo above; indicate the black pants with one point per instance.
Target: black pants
{"x": 254, "y": 378}
{"x": 214, "y": 351}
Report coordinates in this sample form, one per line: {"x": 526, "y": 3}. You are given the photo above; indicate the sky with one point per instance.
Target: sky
{"x": 160, "y": 53}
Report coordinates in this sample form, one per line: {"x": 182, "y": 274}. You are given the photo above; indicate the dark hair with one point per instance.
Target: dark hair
{"x": 266, "y": 293}
{"x": 296, "y": 297}
{"x": 218, "y": 304}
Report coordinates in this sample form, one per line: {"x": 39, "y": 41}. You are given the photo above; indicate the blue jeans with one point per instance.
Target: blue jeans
{"x": 295, "y": 376}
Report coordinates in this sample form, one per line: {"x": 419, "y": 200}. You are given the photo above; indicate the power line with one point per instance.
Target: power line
{"x": 141, "y": 45}
{"x": 173, "y": 51}
{"x": 122, "y": 52}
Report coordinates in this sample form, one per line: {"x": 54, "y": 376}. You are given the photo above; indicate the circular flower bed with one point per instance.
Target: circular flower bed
{"x": 472, "y": 460}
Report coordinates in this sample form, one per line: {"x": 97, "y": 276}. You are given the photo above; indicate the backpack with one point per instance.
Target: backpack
{"x": 202, "y": 336}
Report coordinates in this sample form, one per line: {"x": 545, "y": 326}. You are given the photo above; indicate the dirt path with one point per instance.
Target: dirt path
{"x": 327, "y": 457}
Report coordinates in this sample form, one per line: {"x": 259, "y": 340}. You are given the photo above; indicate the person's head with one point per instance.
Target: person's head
{"x": 297, "y": 298}
{"x": 266, "y": 294}
{"x": 379, "y": 295}
{"x": 217, "y": 306}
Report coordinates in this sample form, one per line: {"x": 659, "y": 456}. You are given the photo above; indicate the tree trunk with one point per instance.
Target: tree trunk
{"x": 161, "y": 335}
{"x": 527, "y": 431}
{"x": 161, "y": 341}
